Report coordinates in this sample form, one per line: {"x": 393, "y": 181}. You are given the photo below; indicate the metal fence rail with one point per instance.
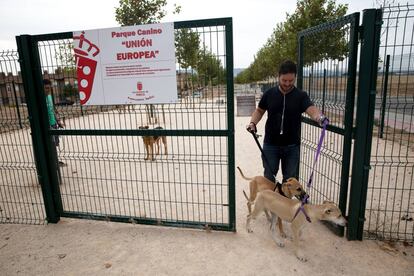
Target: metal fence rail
{"x": 390, "y": 200}
{"x": 21, "y": 198}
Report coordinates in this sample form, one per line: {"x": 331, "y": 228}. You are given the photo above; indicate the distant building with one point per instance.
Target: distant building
{"x": 64, "y": 83}
{"x": 11, "y": 89}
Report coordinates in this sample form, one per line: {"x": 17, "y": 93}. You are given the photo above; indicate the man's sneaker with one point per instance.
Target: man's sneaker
{"x": 61, "y": 164}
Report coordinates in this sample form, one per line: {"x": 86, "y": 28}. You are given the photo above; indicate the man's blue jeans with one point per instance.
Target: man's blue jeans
{"x": 287, "y": 155}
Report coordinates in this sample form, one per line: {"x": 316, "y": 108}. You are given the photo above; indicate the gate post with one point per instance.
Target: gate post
{"x": 368, "y": 68}
{"x": 45, "y": 167}
{"x": 230, "y": 123}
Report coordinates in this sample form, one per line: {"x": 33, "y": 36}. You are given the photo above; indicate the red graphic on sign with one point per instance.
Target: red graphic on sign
{"x": 85, "y": 66}
{"x": 139, "y": 86}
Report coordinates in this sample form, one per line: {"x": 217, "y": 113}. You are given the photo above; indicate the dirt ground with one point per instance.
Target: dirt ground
{"x": 85, "y": 247}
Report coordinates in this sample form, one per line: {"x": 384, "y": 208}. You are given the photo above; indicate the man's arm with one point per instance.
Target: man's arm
{"x": 257, "y": 115}
{"x": 255, "y": 119}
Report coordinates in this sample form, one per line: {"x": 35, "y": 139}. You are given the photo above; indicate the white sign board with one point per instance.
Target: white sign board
{"x": 126, "y": 65}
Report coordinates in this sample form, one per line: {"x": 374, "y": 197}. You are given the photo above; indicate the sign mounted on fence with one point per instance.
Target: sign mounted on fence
{"x": 126, "y": 65}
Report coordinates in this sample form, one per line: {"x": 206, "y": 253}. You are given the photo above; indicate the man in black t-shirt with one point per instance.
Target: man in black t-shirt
{"x": 284, "y": 105}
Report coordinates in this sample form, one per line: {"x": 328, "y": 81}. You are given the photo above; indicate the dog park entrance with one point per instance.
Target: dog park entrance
{"x": 357, "y": 69}
{"x": 105, "y": 175}
{"x": 360, "y": 75}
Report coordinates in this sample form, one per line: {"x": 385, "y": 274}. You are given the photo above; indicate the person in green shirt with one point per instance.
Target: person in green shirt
{"x": 52, "y": 113}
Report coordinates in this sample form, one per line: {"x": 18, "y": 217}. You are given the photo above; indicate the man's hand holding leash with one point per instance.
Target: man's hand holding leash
{"x": 323, "y": 120}
{"x": 251, "y": 127}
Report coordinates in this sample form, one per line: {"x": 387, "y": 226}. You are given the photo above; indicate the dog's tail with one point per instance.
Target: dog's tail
{"x": 247, "y": 178}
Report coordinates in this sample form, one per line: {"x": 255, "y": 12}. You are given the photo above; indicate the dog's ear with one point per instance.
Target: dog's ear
{"x": 291, "y": 180}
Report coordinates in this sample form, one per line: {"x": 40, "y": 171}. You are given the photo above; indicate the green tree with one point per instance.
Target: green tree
{"x": 209, "y": 68}
{"x": 69, "y": 91}
{"x": 189, "y": 53}
{"x": 66, "y": 58}
{"x": 136, "y": 12}
{"x": 187, "y": 46}
{"x": 243, "y": 77}
{"x": 309, "y": 13}
{"x": 283, "y": 42}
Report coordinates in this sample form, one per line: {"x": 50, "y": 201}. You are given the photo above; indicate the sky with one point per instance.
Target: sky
{"x": 253, "y": 21}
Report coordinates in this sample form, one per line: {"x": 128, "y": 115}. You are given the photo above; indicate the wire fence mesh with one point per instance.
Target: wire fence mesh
{"x": 390, "y": 204}
{"x": 21, "y": 199}
{"x": 109, "y": 171}
{"x": 325, "y": 77}
{"x": 114, "y": 175}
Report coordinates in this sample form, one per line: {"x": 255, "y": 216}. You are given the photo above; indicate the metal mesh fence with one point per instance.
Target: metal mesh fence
{"x": 21, "y": 198}
{"x": 390, "y": 205}
{"x": 326, "y": 182}
{"x": 325, "y": 77}
{"x": 106, "y": 171}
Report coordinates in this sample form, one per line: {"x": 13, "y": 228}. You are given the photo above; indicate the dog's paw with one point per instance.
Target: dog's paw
{"x": 301, "y": 257}
{"x": 278, "y": 241}
{"x": 280, "y": 244}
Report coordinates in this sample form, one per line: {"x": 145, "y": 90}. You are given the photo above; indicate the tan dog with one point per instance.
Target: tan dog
{"x": 291, "y": 188}
{"x": 259, "y": 183}
{"x": 150, "y": 141}
{"x": 285, "y": 209}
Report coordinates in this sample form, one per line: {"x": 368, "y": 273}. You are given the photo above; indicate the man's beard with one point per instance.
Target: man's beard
{"x": 286, "y": 88}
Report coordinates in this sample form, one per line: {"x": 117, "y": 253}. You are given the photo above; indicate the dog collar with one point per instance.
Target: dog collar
{"x": 302, "y": 208}
{"x": 279, "y": 189}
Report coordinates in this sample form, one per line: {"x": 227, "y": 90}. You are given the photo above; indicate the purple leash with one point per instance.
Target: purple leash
{"x": 302, "y": 208}
{"x": 318, "y": 152}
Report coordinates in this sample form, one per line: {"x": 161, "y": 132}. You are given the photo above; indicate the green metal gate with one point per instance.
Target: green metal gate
{"x": 328, "y": 61}
{"x": 106, "y": 176}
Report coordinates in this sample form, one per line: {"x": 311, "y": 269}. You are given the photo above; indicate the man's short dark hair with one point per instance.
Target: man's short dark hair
{"x": 46, "y": 82}
{"x": 287, "y": 67}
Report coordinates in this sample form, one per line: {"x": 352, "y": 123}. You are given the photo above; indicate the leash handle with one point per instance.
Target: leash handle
{"x": 318, "y": 150}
